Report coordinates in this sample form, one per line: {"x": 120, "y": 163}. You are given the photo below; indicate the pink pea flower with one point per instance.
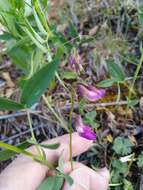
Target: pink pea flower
{"x": 90, "y": 92}
{"x": 84, "y": 130}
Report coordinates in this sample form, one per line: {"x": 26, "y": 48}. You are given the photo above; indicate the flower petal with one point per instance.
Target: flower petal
{"x": 83, "y": 130}
{"x": 91, "y": 93}
{"x": 72, "y": 60}
{"x": 87, "y": 133}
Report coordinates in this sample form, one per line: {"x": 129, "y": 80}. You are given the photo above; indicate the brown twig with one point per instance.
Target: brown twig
{"x": 22, "y": 133}
{"x": 18, "y": 114}
{"x": 66, "y": 107}
{"x": 106, "y": 104}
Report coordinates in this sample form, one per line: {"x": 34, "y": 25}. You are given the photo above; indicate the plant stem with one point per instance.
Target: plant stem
{"x": 134, "y": 79}
{"x": 30, "y": 125}
{"x": 60, "y": 81}
{"x": 70, "y": 126}
{"x": 41, "y": 156}
{"x": 26, "y": 153}
{"x": 115, "y": 184}
{"x": 32, "y": 134}
{"x": 55, "y": 114}
{"x": 130, "y": 164}
{"x": 15, "y": 149}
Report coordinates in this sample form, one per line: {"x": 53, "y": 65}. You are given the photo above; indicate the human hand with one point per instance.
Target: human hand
{"x": 25, "y": 174}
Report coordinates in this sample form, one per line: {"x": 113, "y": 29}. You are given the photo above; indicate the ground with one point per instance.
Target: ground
{"x": 114, "y": 30}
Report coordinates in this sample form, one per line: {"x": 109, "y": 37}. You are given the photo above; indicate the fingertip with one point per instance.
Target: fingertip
{"x": 82, "y": 143}
{"x": 81, "y": 174}
{"x": 104, "y": 172}
{"x": 79, "y": 145}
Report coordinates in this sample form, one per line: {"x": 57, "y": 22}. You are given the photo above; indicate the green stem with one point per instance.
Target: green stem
{"x": 60, "y": 81}
{"x": 26, "y": 153}
{"x": 55, "y": 114}
{"x": 32, "y": 134}
{"x": 134, "y": 79}
{"x": 115, "y": 184}
{"x": 40, "y": 157}
{"x": 30, "y": 125}
{"x": 15, "y": 149}
{"x": 70, "y": 126}
{"x": 119, "y": 92}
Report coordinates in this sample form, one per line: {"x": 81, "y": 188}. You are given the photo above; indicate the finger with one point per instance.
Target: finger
{"x": 75, "y": 187}
{"x": 24, "y": 169}
{"x": 79, "y": 145}
{"x": 87, "y": 178}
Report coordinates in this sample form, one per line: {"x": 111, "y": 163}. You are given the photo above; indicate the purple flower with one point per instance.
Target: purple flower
{"x": 83, "y": 130}
{"x": 75, "y": 61}
{"x": 91, "y": 93}
{"x": 72, "y": 60}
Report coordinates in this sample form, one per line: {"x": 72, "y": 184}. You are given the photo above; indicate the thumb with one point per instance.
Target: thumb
{"x": 86, "y": 178}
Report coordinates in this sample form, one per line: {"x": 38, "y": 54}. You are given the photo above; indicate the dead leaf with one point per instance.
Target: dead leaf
{"x": 93, "y": 31}
{"x": 141, "y": 103}
{"x": 111, "y": 116}
{"x": 8, "y": 92}
{"x": 133, "y": 140}
{"x": 6, "y": 76}
{"x": 61, "y": 27}
{"x": 122, "y": 112}
{"x": 109, "y": 138}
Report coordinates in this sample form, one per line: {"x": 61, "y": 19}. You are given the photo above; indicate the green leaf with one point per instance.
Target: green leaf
{"x": 40, "y": 14}
{"x": 49, "y": 146}
{"x": 73, "y": 31}
{"x": 106, "y": 83}
{"x": 8, "y": 19}
{"x": 122, "y": 146}
{"x": 60, "y": 40}
{"x": 120, "y": 167}
{"x": 132, "y": 103}
{"x": 91, "y": 115}
{"x": 87, "y": 40}
{"x": 21, "y": 57}
{"x": 33, "y": 33}
{"x": 39, "y": 82}
{"x": 61, "y": 164}
{"x": 39, "y": 24}
{"x": 16, "y": 4}
{"x": 6, "y": 104}
{"x": 7, "y": 154}
{"x": 81, "y": 106}
{"x": 68, "y": 179}
{"x": 15, "y": 149}
{"x": 33, "y": 38}
{"x": 60, "y": 168}
{"x": 52, "y": 183}
{"x": 45, "y": 2}
{"x": 69, "y": 75}
{"x": 5, "y": 5}
{"x": 128, "y": 185}
{"x": 90, "y": 119}
{"x": 140, "y": 11}
{"x": 115, "y": 71}
{"x": 6, "y": 36}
